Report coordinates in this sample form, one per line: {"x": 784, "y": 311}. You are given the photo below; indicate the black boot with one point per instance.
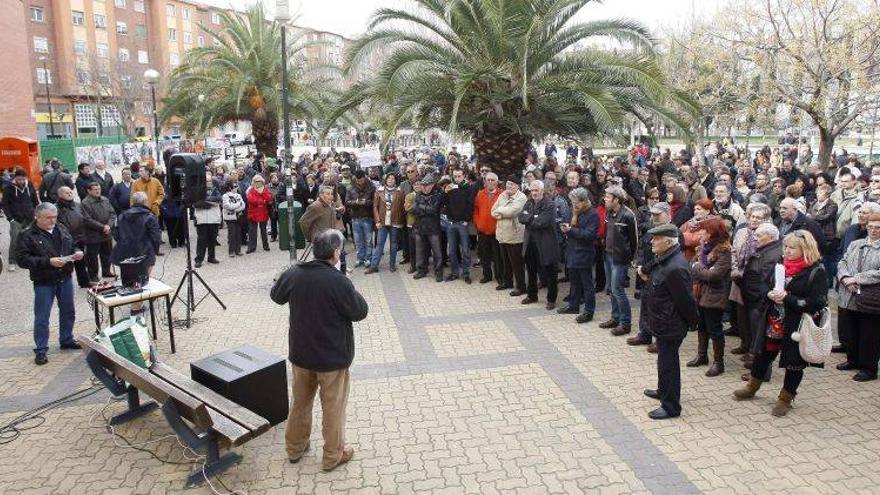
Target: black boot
{"x": 702, "y": 348}
{"x": 717, "y": 358}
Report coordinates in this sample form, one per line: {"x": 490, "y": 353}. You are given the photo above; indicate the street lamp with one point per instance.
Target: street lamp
{"x": 48, "y": 100}
{"x": 151, "y": 76}
{"x": 282, "y": 15}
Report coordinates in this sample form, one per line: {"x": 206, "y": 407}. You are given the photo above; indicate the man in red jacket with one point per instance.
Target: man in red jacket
{"x": 487, "y": 246}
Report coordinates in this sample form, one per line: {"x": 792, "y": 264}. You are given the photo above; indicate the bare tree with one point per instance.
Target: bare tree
{"x": 819, "y": 57}
{"x": 113, "y": 85}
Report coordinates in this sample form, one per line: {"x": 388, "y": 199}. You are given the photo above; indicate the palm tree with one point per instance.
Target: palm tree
{"x": 506, "y": 72}
{"x": 239, "y": 74}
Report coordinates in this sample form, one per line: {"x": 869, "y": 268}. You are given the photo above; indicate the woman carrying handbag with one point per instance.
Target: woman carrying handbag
{"x": 805, "y": 292}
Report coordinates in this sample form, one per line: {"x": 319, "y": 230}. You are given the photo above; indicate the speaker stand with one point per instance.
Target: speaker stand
{"x": 189, "y": 301}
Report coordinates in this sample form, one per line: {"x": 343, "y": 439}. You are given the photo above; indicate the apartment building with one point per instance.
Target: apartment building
{"x": 16, "y": 94}
{"x": 91, "y": 55}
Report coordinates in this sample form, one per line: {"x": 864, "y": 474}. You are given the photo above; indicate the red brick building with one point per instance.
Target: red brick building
{"x": 16, "y": 91}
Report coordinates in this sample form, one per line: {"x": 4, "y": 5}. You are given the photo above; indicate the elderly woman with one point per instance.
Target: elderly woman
{"x": 857, "y": 271}
{"x": 580, "y": 254}
{"x": 805, "y": 292}
{"x": 744, "y": 246}
{"x": 756, "y": 280}
{"x": 259, "y": 200}
{"x": 690, "y": 231}
{"x": 711, "y": 273}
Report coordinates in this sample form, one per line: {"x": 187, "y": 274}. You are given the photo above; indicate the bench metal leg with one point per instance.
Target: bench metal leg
{"x": 214, "y": 463}
{"x": 118, "y": 387}
{"x": 135, "y": 408}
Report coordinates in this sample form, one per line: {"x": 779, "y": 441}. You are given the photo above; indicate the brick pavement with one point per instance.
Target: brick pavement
{"x": 457, "y": 389}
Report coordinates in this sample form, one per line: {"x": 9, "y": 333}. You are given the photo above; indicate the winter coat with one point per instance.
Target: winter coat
{"x": 323, "y": 304}
{"x": 803, "y": 222}
{"x": 621, "y": 237}
{"x": 359, "y": 200}
{"x": 155, "y": 193}
{"x": 120, "y": 196}
{"x": 52, "y": 182}
{"x": 846, "y": 207}
{"x": 380, "y": 207}
{"x": 862, "y": 262}
{"x": 758, "y": 274}
{"x": 137, "y": 233}
{"x": 690, "y": 232}
{"x": 208, "y": 212}
{"x": 82, "y": 185}
{"x": 672, "y": 310}
{"x": 508, "y": 230}
{"x": 427, "y": 210}
{"x": 807, "y": 292}
{"x": 97, "y": 213}
{"x": 826, "y": 216}
{"x": 233, "y": 205}
{"x": 35, "y": 247}
{"x": 731, "y": 210}
{"x": 19, "y": 202}
{"x": 539, "y": 217}
{"x": 580, "y": 246}
{"x": 317, "y": 218}
{"x": 713, "y": 279}
{"x": 459, "y": 204}
{"x": 70, "y": 215}
{"x": 483, "y": 219}
{"x": 258, "y": 204}
{"x": 409, "y": 204}
{"x": 106, "y": 182}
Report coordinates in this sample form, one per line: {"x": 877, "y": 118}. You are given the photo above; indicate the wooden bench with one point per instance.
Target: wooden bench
{"x": 200, "y": 417}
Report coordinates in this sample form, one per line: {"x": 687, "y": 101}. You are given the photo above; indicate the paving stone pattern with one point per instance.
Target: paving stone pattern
{"x": 457, "y": 389}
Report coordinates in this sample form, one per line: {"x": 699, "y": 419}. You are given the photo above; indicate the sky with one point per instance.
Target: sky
{"x": 349, "y": 17}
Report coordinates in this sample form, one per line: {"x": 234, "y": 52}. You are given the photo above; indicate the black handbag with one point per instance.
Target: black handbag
{"x": 867, "y": 299}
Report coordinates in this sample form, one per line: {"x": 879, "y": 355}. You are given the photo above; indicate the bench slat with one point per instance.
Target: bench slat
{"x": 255, "y": 423}
{"x": 231, "y": 433}
{"x": 189, "y": 407}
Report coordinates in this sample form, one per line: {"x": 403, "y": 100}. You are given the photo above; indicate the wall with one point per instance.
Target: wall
{"x": 16, "y": 92}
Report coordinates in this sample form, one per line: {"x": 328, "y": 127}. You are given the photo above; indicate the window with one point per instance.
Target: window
{"x": 172, "y": 34}
{"x": 201, "y": 40}
{"x": 124, "y": 55}
{"x": 44, "y": 76}
{"x": 143, "y": 58}
{"x": 187, "y": 38}
{"x": 82, "y": 77}
{"x": 102, "y": 50}
{"x": 140, "y": 31}
{"x": 86, "y": 120}
{"x": 78, "y": 18}
{"x": 138, "y": 5}
{"x": 215, "y": 18}
{"x": 121, "y": 27}
{"x": 37, "y": 14}
{"x": 125, "y": 81}
{"x": 80, "y": 47}
{"x": 184, "y": 12}
{"x": 110, "y": 115}
{"x": 119, "y": 3}
{"x": 175, "y": 59}
{"x": 169, "y": 10}
{"x": 100, "y": 21}
{"x": 41, "y": 45}
{"x": 104, "y": 79}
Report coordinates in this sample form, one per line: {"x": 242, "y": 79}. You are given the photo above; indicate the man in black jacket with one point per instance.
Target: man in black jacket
{"x": 540, "y": 246}
{"x": 359, "y": 203}
{"x": 19, "y": 200}
{"x": 459, "y": 207}
{"x": 427, "y": 211}
{"x": 56, "y": 178}
{"x": 791, "y": 220}
{"x": 83, "y": 180}
{"x": 671, "y": 313}
{"x": 620, "y": 248}
{"x": 46, "y": 249}
{"x": 71, "y": 217}
{"x": 323, "y": 304}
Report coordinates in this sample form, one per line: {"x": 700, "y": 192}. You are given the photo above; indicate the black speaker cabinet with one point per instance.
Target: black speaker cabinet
{"x": 248, "y": 376}
{"x": 186, "y": 178}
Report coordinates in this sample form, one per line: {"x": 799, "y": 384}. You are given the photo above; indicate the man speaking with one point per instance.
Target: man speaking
{"x": 323, "y": 305}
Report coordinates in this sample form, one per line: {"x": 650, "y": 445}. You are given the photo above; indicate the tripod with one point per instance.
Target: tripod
{"x": 190, "y": 301}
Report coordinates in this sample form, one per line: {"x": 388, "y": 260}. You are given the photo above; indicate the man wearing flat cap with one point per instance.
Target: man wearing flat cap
{"x": 427, "y": 212}
{"x": 671, "y": 313}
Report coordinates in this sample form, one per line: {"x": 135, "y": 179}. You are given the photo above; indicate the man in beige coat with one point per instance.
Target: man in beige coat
{"x": 509, "y": 233}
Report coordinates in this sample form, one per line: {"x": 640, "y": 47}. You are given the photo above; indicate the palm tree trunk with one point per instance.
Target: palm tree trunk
{"x": 503, "y": 150}
{"x": 266, "y": 135}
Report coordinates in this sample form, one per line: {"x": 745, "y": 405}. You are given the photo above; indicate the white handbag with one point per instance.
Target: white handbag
{"x": 814, "y": 341}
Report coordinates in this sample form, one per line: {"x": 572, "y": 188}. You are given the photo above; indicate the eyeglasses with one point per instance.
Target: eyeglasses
{"x": 873, "y": 227}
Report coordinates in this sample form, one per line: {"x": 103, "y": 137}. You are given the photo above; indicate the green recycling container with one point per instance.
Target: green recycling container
{"x": 283, "y": 231}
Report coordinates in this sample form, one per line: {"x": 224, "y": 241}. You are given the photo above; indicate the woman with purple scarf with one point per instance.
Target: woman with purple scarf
{"x": 711, "y": 273}
{"x": 744, "y": 246}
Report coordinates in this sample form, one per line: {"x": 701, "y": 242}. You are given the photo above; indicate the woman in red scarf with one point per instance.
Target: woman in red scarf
{"x": 806, "y": 291}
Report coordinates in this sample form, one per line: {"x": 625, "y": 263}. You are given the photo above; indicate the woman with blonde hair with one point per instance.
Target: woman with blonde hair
{"x": 805, "y": 292}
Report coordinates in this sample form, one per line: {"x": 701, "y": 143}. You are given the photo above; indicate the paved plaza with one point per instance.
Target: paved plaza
{"x": 456, "y": 389}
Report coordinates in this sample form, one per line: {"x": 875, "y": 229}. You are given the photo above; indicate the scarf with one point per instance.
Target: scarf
{"x": 748, "y": 248}
{"x": 704, "y": 254}
{"x": 793, "y": 267}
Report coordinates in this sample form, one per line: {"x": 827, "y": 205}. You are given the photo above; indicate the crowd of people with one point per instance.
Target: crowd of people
{"x": 716, "y": 223}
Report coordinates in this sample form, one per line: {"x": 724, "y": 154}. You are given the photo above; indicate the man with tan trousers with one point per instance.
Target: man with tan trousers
{"x": 323, "y": 305}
